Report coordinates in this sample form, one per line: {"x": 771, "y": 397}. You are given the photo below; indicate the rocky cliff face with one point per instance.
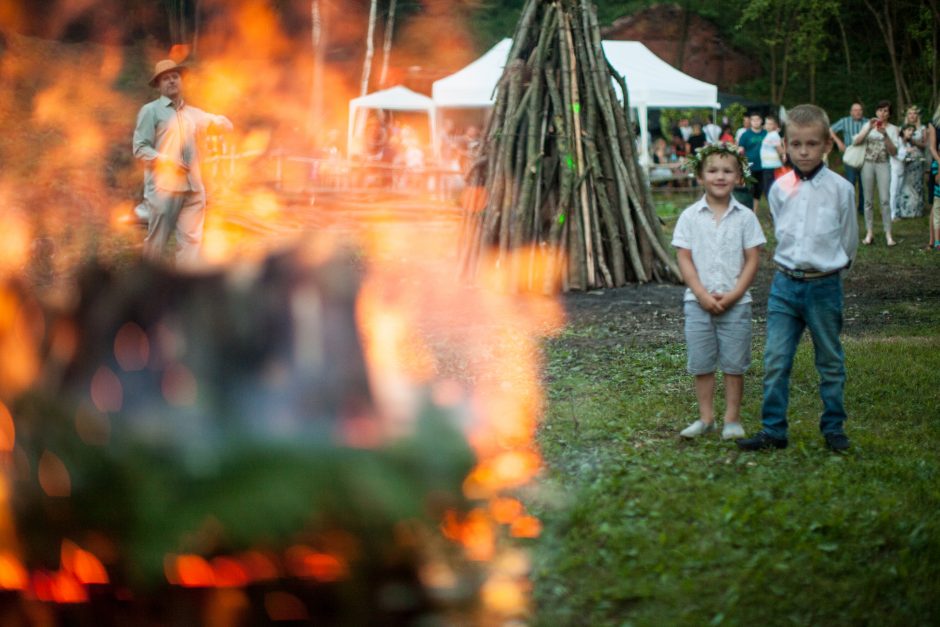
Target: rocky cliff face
{"x": 687, "y": 42}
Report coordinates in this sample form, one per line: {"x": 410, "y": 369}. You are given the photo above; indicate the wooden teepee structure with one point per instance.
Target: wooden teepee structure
{"x": 558, "y": 178}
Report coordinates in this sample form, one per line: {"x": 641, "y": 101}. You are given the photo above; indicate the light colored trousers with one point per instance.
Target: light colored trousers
{"x": 897, "y": 176}
{"x": 182, "y": 212}
{"x": 882, "y": 173}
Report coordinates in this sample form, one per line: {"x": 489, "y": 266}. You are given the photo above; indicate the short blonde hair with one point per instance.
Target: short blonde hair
{"x": 808, "y": 115}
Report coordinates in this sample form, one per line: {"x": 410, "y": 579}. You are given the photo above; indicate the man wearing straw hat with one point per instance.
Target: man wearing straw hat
{"x": 166, "y": 139}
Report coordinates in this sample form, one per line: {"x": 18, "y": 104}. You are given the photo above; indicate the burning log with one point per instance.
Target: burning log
{"x": 197, "y": 436}
{"x": 559, "y": 171}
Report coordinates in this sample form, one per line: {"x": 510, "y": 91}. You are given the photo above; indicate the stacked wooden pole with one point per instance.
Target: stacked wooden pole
{"x": 558, "y": 196}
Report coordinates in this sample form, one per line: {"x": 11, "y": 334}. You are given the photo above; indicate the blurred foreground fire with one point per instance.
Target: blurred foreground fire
{"x": 339, "y": 434}
{"x": 275, "y": 433}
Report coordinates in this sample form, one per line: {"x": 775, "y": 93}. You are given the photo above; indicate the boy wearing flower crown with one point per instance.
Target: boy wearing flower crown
{"x": 718, "y": 241}
{"x": 817, "y": 235}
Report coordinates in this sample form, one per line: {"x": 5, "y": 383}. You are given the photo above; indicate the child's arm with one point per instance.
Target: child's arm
{"x": 849, "y": 224}
{"x": 748, "y": 272}
{"x": 690, "y": 275}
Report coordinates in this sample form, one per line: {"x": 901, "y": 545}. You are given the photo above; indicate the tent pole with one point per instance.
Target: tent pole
{"x": 350, "y": 130}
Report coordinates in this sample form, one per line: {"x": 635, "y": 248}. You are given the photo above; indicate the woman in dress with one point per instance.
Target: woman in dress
{"x": 910, "y": 193}
{"x": 880, "y": 139}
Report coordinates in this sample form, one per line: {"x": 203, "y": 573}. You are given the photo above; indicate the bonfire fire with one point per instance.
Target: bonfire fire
{"x": 332, "y": 333}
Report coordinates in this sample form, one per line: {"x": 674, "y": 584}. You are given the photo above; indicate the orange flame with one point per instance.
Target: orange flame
{"x": 189, "y": 571}
{"x": 13, "y": 575}
{"x": 18, "y": 343}
{"x": 229, "y": 573}
{"x": 58, "y": 587}
{"x": 306, "y": 563}
{"x": 84, "y": 566}
{"x": 7, "y": 429}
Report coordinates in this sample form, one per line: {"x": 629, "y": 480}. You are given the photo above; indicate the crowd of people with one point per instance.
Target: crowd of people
{"x": 404, "y": 158}
{"x": 899, "y": 166}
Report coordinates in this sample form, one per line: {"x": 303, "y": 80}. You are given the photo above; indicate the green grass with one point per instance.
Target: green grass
{"x": 642, "y": 528}
{"x": 652, "y": 530}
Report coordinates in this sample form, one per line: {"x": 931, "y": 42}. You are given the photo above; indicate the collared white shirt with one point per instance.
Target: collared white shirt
{"x": 717, "y": 246}
{"x": 814, "y": 221}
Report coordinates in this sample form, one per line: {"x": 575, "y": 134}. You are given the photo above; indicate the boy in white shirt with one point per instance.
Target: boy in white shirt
{"x": 718, "y": 241}
{"x": 817, "y": 236}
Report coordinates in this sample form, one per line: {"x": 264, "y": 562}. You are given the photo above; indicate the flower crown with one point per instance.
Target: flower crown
{"x": 693, "y": 163}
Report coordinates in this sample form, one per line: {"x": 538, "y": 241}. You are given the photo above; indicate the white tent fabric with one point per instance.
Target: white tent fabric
{"x": 651, "y": 82}
{"x": 474, "y": 86}
{"x": 393, "y": 99}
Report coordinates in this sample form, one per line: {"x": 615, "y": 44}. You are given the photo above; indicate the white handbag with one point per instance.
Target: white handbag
{"x": 854, "y": 156}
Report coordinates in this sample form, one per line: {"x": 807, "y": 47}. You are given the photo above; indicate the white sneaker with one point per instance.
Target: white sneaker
{"x": 732, "y": 431}
{"x": 696, "y": 429}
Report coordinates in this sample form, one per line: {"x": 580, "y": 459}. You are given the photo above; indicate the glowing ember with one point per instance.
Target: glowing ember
{"x": 7, "y": 430}
{"x": 13, "y": 575}
{"x": 84, "y": 566}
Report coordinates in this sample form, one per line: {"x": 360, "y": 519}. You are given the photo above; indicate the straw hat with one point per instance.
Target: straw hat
{"x": 164, "y": 66}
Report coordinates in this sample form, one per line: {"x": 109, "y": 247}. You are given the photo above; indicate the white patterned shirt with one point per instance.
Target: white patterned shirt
{"x": 718, "y": 247}
{"x": 814, "y": 221}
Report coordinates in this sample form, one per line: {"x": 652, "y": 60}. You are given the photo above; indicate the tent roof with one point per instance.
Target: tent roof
{"x": 393, "y": 99}
{"x": 655, "y": 83}
{"x": 474, "y": 86}
{"x": 651, "y": 81}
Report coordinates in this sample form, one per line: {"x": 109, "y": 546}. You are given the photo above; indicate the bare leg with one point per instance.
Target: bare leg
{"x": 734, "y": 391}
{"x": 705, "y": 393}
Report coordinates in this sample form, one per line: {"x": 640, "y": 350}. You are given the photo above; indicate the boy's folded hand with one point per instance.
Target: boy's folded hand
{"x": 711, "y": 304}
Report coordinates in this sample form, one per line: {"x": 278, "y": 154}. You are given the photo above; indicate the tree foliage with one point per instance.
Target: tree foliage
{"x": 823, "y": 51}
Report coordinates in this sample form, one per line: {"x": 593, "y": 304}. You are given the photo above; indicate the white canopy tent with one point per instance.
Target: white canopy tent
{"x": 651, "y": 83}
{"x": 393, "y": 99}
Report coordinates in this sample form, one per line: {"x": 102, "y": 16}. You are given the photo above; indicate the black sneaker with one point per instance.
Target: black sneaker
{"x": 761, "y": 441}
{"x": 836, "y": 442}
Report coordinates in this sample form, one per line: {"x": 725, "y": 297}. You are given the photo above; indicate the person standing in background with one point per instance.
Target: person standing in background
{"x": 712, "y": 131}
{"x": 771, "y": 155}
{"x": 167, "y": 139}
{"x": 933, "y": 179}
{"x": 880, "y": 139}
{"x": 909, "y": 186}
{"x": 750, "y": 142}
{"x": 849, "y": 127}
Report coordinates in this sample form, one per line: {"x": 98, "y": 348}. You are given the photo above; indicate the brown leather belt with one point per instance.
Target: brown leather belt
{"x": 805, "y": 275}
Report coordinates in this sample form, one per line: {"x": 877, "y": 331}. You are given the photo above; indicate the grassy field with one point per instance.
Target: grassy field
{"x": 642, "y": 528}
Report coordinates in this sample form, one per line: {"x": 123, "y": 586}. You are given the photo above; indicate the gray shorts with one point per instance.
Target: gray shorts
{"x": 718, "y": 341}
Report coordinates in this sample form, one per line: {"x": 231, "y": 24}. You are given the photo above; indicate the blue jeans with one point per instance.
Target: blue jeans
{"x": 854, "y": 176}
{"x": 793, "y": 306}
